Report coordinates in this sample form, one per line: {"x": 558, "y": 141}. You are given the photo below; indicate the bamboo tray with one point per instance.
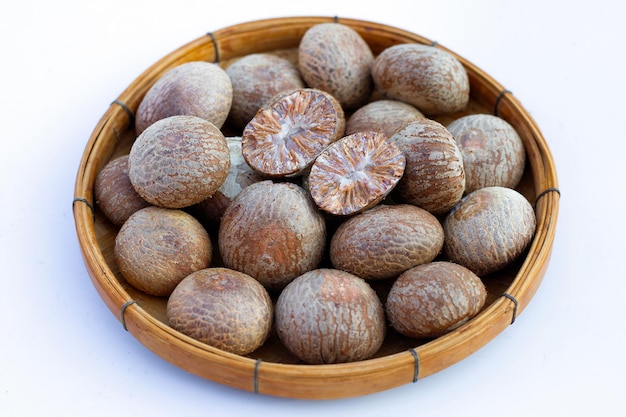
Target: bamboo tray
{"x": 271, "y": 370}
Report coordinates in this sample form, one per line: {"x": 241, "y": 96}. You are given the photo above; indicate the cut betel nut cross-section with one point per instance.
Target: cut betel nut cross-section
{"x": 355, "y": 173}
{"x": 284, "y": 138}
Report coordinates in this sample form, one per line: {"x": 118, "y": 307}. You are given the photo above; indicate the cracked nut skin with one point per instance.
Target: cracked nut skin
{"x": 427, "y": 77}
{"x": 284, "y": 138}
{"x": 194, "y": 88}
{"x": 223, "y": 308}
{"x": 385, "y": 116}
{"x": 434, "y": 177}
{"x": 156, "y": 248}
{"x": 256, "y": 80}
{"x": 432, "y": 299}
{"x": 493, "y": 152}
{"x": 385, "y": 241}
{"x": 333, "y": 57}
{"x": 355, "y": 173}
{"x": 489, "y": 229}
{"x": 114, "y": 192}
{"x": 272, "y": 232}
{"x": 330, "y": 316}
{"x": 179, "y": 161}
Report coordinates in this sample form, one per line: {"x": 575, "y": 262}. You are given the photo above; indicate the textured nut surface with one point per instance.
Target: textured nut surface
{"x": 429, "y": 78}
{"x": 223, "y": 308}
{"x": 493, "y": 152}
{"x": 433, "y": 299}
{"x": 272, "y": 232}
{"x": 256, "y": 79}
{"x": 334, "y": 58}
{"x": 284, "y": 138}
{"x": 195, "y": 88}
{"x": 330, "y": 316}
{"x": 114, "y": 192}
{"x": 240, "y": 175}
{"x": 384, "y": 116}
{"x": 156, "y": 248}
{"x": 355, "y": 173}
{"x": 489, "y": 229}
{"x": 434, "y": 178}
{"x": 179, "y": 161}
{"x": 385, "y": 241}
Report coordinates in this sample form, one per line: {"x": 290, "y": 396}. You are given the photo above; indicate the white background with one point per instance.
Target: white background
{"x": 62, "y": 353}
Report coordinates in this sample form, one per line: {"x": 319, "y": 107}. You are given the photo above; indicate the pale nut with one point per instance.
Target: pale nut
{"x": 489, "y": 229}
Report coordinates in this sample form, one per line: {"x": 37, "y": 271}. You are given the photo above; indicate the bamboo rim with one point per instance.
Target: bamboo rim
{"x": 312, "y": 381}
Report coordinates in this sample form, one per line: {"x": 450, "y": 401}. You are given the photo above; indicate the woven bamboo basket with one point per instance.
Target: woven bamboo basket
{"x": 271, "y": 370}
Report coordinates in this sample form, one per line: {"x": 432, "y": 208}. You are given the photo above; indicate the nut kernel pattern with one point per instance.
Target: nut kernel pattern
{"x": 284, "y": 138}
{"x": 355, "y": 173}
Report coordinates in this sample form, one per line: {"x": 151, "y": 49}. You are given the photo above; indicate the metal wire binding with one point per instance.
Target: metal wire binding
{"x": 256, "y": 375}
{"x": 498, "y": 100}
{"x": 215, "y": 47}
{"x": 510, "y": 297}
{"x": 131, "y": 116}
{"x": 124, "y": 307}
{"x": 84, "y": 200}
{"x": 416, "y": 371}
{"x": 544, "y": 192}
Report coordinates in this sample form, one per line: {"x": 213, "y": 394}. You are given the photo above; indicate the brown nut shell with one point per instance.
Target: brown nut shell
{"x": 489, "y": 229}
{"x": 257, "y": 79}
{"x": 427, "y": 77}
{"x": 385, "y": 241}
{"x": 434, "y": 178}
{"x": 179, "y": 161}
{"x": 114, "y": 193}
{"x": 385, "y": 116}
{"x": 333, "y": 57}
{"x": 433, "y": 299}
{"x": 355, "y": 173}
{"x": 272, "y": 232}
{"x": 284, "y": 138}
{"x": 223, "y": 308}
{"x": 196, "y": 88}
{"x": 156, "y": 248}
{"x": 493, "y": 152}
{"x": 330, "y": 316}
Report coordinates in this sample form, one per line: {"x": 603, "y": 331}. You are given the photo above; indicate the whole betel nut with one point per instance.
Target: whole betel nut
{"x": 493, "y": 152}
{"x": 114, "y": 192}
{"x": 223, "y": 308}
{"x": 385, "y": 116}
{"x": 194, "y": 88}
{"x": 434, "y": 298}
{"x": 434, "y": 178}
{"x": 157, "y": 247}
{"x": 334, "y": 58}
{"x": 257, "y": 79}
{"x": 179, "y": 161}
{"x": 330, "y": 316}
{"x": 385, "y": 241}
{"x": 427, "y": 77}
{"x": 272, "y": 232}
{"x": 489, "y": 229}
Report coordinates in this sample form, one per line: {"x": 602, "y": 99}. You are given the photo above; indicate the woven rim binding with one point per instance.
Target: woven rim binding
{"x": 311, "y": 381}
